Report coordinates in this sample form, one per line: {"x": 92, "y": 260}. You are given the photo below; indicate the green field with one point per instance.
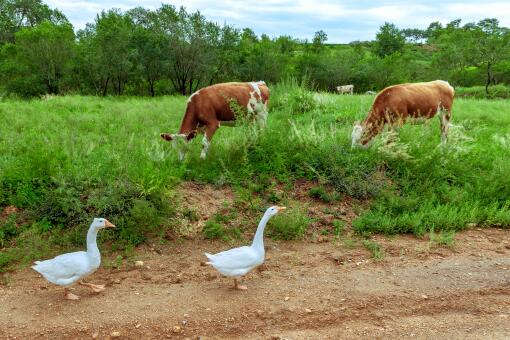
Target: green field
{"x": 68, "y": 159}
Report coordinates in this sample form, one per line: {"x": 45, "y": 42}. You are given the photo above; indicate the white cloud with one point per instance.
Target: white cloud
{"x": 344, "y": 21}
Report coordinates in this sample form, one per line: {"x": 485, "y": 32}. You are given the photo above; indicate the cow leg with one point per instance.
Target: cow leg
{"x": 210, "y": 129}
{"x": 262, "y": 116}
{"x": 444, "y": 119}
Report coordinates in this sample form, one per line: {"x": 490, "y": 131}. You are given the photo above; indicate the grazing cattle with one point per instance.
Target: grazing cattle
{"x": 395, "y": 104}
{"x": 211, "y": 106}
{"x": 345, "y": 89}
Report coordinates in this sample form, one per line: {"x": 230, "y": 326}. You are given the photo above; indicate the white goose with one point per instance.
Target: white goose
{"x": 239, "y": 261}
{"x": 66, "y": 269}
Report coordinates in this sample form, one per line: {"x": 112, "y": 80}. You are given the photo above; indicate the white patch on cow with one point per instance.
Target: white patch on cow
{"x": 205, "y": 147}
{"x": 256, "y": 105}
{"x": 256, "y": 88}
{"x": 194, "y": 94}
{"x": 356, "y": 134}
{"x": 252, "y": 103}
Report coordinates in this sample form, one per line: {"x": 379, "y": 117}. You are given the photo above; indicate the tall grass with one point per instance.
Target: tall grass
{"x": 68, "y": 159}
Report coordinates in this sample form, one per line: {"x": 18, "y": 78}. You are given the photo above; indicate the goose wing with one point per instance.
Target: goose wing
{"x": 63, "y": 267}
{"x": 241, "y": 257}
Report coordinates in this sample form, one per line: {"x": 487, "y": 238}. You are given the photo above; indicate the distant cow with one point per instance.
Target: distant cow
{"x": 397, "y": 103}
{"x": 211, "y": 106}
{"x": 345, "y": 89}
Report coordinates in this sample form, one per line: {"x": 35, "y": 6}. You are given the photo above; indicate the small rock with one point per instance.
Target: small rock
{"x": 138, "y": 263}
{"x": 424, "y": 296}
{"x": 186, "y": 315}
{"x": 184, "y": 322}
{"x": 259, "y": 312}
{"x": 115, "y": 334}
{"x": 176, "y": 329}
{"x": 203, "y": 264}
{"x": 116, "y": 281}
{"x": 287, "y": 298}
{"x": 95, "y": 335}
{"x": 308, "y": 310}
{"x": 138, "y": 325}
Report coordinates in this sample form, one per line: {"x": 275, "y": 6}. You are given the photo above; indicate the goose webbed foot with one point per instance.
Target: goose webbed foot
{"x": 238, "y": 286}
{"x": 70, "y": 296}
{"x": 95, "y": 288}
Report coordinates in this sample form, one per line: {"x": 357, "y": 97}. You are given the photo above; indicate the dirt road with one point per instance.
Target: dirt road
{"x": 305, "y": 290}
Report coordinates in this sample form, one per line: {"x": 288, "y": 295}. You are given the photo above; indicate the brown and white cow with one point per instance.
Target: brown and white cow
{"x": 345, "y": 89}
{"x": 395, "y": 104}
{"x": 211, "y": 106}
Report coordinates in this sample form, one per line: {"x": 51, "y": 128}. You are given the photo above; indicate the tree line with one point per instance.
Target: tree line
{"x": 170, "y": 50}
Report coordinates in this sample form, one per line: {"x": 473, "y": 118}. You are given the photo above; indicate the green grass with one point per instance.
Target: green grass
{"x": 495, "y": 92}
{"x": 69, "y": 159}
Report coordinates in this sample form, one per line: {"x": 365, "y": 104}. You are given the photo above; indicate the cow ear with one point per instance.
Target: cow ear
{"x": 191, "y": 135}
{"x": 166, "y": 136}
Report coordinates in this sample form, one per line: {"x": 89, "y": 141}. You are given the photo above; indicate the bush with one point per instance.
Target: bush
{"x": 294, "y": 97}
{"x": 288, "y": 226}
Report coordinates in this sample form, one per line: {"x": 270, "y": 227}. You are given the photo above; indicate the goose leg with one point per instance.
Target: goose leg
{"x": 70, "y": 296}
{"x": 95, "y": 288}
{"x": 238, "y": 286}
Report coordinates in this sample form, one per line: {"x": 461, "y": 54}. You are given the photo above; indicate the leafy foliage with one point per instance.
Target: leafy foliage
{"x": 170, "y": 50}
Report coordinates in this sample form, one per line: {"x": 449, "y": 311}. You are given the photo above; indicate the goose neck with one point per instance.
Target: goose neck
{"x": 92, "y": 248}
{"x": 258, "y": 240}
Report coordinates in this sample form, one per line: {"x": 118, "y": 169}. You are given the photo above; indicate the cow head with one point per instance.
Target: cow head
{"x": 357, "y": 133}
{"x": 179, "y": 141}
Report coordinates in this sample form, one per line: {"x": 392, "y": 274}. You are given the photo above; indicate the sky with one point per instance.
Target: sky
{"x": 343, "y": 21}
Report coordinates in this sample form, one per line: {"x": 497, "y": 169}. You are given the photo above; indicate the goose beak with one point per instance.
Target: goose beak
{"x": 108, "y": 224}
{"x": 280, "y": 209}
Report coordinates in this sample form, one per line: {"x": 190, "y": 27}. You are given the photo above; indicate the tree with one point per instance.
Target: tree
{"x": 192, "y": 48}
{"x": 389, "y": 40}
{"x": 319, "y": 38}
{"x": 39, "y": 59}
{"x": 113, "y": 32}
{"x": 414, "y": 35}
{"x": 148, "y": 45}
{"x": 491, "y": 45}
{"x": 18, "y": 14}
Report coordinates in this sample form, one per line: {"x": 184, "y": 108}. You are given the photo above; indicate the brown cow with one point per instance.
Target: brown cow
{"x": 211, "y": 106}
{"x": 395, "y": 104}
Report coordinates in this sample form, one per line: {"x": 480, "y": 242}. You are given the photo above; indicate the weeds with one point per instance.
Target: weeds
{"x": 374, "y": 248}
{"x": 320, "y": 193}
{"x": 443, "y": 238}
{"x": 215, "y": 228}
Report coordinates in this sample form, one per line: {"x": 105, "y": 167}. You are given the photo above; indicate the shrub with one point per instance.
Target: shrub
{"x": 288, "y": 226}
{"x": 320, "y": 193}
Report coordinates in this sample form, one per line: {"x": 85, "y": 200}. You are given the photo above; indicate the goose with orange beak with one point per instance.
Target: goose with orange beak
{"x": 239, "y": 261}
{"x": 66, "y": 269}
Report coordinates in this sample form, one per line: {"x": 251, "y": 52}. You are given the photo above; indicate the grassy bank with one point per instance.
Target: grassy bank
{"x": 66, "y": 160}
